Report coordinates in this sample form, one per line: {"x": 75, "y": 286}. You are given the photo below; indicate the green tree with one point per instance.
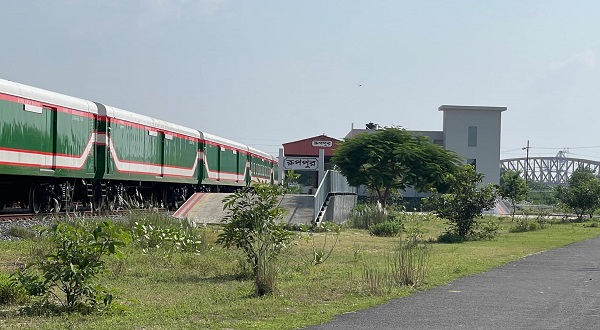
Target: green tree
{"x": 392, "y": 159}
{"x": 253, "y": 224}
{"x": 466, "y": 200}
{"x": 582, "y": 195}
{"x": 513, "y": 188}
{"x": 540, "y": 193}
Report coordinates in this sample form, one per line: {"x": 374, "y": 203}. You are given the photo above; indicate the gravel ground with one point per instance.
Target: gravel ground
{"x": 29, "y": 223}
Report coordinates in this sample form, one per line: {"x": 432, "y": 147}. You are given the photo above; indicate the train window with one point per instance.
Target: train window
{"x": 32, "y": 108}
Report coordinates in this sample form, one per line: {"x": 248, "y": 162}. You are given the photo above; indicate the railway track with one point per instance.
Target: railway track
{"x": 15, "y": 216}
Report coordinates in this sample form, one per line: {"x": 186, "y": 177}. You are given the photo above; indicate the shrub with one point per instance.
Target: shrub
{"x": 253, "y": 224}
{"x": 450, "y": 237}
{"x": 524, "y": 225}
{"x": 12, "y": 292}
{"x": 69, "y": 271}
{"x": 386, "y": 229}
{"x": 485, "y": 231}
{"x": 168, "y": 238}
{"x": 365, "y": 215}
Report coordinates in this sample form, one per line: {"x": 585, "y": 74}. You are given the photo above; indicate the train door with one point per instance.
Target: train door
{"x": 220, "y": 151}
{"x": 161, "y": 153}
{"x": 51, "y": 139}
{"x": 107, "y": 138}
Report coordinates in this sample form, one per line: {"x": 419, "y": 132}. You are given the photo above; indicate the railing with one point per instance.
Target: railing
{"x": 333, "y": 182}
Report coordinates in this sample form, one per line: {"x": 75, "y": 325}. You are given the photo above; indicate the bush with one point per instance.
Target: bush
{"x": 450, "y": 237}
{"x": 69, "y": 271}
{"x": 524, "y": 225}
{"x": 365, "y": 215}
{"x": 386, "y": 229}
{"x": 12, "y": 292}
{"x": 485, "y": 231}
{"x": 253, "y": 224}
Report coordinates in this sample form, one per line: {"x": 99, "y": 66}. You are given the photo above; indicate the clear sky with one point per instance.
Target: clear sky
{"x": 268, "y": 72}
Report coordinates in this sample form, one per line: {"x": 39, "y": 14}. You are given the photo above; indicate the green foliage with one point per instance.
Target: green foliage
{"x": 392, "y": 159}
{"x": 485, "y": 231}
{"x": 69, "y": 271}
{"x": 582, "y": 195}
{"x": 252, "y": 224}
{"x": 541, "y": 194}
{"x": 524, "y": 225}
{"x": 168, "y": 238}
{"x": 450, "y": 237}
{"x": 464, "y": 201}
{"x": 513, "y": 189}
{"x": 12, "y": 292}
{"x": 365, "y": 215}
{"x": 386, "y": 229}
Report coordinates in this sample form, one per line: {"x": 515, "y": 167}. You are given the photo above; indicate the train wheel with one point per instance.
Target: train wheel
{"x": 111, "y": 202}
{"x": 55, "y": 205}
{"x": 35, "y": 199}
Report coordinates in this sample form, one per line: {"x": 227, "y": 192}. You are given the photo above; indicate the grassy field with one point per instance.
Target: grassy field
{"x": 207, "y": 290}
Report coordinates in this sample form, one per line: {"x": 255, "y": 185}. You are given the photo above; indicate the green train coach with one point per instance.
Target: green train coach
{"x": 59, "y": 152}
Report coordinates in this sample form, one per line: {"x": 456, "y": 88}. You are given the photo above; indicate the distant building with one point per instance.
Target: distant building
{"x": 309, "y": 148}
{"x": 473, "y": 132}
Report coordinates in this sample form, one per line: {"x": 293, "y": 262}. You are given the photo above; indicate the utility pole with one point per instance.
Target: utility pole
{"x": 526, "y": 161}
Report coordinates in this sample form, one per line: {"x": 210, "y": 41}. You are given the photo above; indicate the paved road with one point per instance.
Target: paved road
{"x": 558, "y": 289}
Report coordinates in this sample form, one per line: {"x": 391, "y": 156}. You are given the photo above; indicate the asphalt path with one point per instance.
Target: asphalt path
{"x": 557, "y": 289}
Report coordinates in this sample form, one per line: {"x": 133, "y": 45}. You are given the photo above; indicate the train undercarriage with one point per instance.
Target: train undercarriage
{"x": 44, "y": 195}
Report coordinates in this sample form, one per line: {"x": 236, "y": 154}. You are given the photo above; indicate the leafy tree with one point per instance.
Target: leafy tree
{"x": 513, "y": 188}
{"x": 540, "y": 193}
{"x": 393, "y": 159}
{"x": 465, "y": 201}
{"x": 582, "y": 195}
{"x": 253, "y": 224}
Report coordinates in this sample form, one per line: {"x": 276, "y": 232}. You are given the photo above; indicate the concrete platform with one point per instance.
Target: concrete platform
{"x": 207, "y": 208}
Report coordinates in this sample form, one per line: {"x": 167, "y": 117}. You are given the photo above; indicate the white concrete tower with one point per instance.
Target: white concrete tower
{"x": 474, "y": 132}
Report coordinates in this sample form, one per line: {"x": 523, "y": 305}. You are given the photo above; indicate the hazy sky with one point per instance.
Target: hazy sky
{"x": 269, "y": 72}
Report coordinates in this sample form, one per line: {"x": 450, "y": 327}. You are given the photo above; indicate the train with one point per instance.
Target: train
{"x": 59, "y": 153}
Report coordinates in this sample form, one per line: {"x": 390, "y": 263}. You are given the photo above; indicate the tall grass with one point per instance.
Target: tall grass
{"x": 365, "y": 215}
{"x": 408, "y": 262}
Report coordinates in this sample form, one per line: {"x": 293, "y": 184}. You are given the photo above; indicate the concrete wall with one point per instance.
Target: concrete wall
{"x": 457, "y": 120}
{"x": 339, "y": 208}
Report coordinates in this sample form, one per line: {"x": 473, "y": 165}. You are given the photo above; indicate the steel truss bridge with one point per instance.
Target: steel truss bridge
{"x": 549, "y": 170}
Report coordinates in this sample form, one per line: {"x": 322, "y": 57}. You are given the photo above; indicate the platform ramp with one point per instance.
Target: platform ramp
{"x": 299, "y": 209}
{"x": 203, "y": 208}
{"x": 207, "y": 208}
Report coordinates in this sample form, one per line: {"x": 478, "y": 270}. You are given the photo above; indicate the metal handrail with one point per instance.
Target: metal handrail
{"x": 333, "y": 182}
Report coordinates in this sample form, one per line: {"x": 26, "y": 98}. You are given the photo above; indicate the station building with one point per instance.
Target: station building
{"x": 473, "y": 132}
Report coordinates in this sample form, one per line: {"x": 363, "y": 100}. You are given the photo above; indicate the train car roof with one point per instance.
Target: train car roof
{"x": 117, "y": 113}
{"x": 261, "y": 153}
{"x": 47, "y": 97}
{"x": 217, "y": 139}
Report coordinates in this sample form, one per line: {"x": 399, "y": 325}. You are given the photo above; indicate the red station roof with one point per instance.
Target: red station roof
{"x": 311, "y": 146}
